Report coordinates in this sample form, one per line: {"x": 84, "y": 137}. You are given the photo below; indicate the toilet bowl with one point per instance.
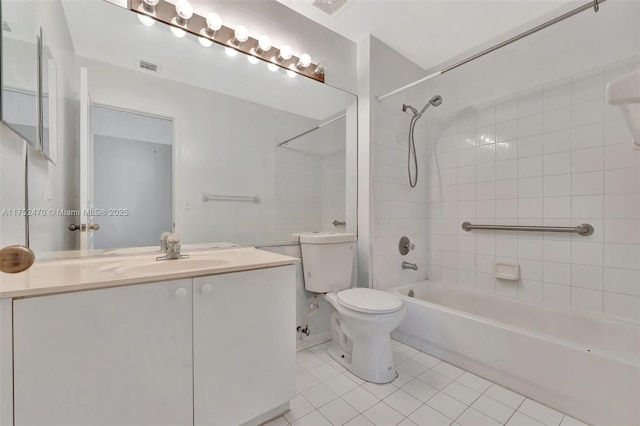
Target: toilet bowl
{"x": 361, "y": 332}
{"x": 363, "y": 318}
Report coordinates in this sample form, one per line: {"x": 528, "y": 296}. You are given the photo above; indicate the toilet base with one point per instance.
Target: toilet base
{"x": 339, "y": 356}
{"x": 335, "y": 351}
{"x": 362, "y": 343}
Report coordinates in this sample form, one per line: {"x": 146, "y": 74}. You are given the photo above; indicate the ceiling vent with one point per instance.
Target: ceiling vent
{"x": 6, "y": 27}
{"x": 148, "y": 66}
{"x": 331, "y": 7}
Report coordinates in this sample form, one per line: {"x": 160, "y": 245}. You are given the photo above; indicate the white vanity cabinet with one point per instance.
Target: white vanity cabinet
{"x": 216, "y": 350}
{"x": 116, "y": 356}
{"x": 243, "y": 346}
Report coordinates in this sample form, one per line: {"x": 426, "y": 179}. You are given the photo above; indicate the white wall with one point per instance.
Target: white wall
{"x": 12, "y": 172}
{"x": 525, "y": 136}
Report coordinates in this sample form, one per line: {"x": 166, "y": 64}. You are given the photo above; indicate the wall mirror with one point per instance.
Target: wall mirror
{"x": 174, "y": 135}
{"x": 20, "y": 40}
{"x": 29, "y": 79}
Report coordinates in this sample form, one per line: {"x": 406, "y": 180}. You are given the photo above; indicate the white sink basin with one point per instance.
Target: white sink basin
{"x": 163, "y": 266}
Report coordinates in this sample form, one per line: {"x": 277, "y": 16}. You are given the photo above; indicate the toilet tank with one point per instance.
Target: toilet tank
{"x": 327, "y": 260}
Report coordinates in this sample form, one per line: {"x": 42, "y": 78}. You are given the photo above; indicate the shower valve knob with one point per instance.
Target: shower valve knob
{"x": 405, "y": 246}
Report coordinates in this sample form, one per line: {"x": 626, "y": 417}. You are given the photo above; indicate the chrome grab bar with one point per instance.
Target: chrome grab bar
{"x": 582, "y": 229}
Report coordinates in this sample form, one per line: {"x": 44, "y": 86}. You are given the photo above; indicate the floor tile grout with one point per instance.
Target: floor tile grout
{"x": 415, "y": 372}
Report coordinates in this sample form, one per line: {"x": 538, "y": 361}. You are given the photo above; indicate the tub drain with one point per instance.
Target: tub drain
{"x": 411, "y": 293}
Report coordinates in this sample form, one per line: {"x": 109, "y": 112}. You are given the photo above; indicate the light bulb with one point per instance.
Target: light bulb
{"x": 285, "y": 53}
{"x": 184, "y": 9}
{"x": 321, "y": 69}
{"x": 230, "y": 52}
{"x": 241, "y": 34}
{"x": 292, "y": 74}
{"x": 305, "y": 61}
{"x": 177, "y": 32}
{"x": 272, "y": 67}
{"x": 264, "y": 43}
{"x": 252, "y": 59}
{"x": 205, "y": 42}
{"x": 149, "y": 5}
{"x": 147, "y": 21}
{"x": 214, "y": 22}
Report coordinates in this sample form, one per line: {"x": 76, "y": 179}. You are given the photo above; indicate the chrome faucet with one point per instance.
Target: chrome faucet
{"x": 163, "y": 241}
{"x": 407, "y": 265}
{"x": 173, "y": 248}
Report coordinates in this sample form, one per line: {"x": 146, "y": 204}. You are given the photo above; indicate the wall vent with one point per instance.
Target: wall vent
{"x": 149, "y": 66}
{"x": 331, "y": 7}
{"x": 6, "y": 27}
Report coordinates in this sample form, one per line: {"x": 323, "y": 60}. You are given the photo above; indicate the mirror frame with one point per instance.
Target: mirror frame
{"x": 39, "y": 141}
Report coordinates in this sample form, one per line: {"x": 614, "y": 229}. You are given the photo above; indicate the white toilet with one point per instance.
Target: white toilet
{"x": 363, "y": 317}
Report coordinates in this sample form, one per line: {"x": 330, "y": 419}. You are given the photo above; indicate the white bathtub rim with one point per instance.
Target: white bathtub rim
{"x": 504, "y": 326}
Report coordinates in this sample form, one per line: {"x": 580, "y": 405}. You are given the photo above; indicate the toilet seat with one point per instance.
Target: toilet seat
{"x": 369, "y": 301}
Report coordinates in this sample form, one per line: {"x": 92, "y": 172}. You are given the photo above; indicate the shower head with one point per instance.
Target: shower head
{"x": 436, "y": 101}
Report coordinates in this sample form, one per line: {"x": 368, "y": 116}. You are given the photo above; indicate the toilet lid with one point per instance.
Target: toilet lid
{"x": 369, "y": 301}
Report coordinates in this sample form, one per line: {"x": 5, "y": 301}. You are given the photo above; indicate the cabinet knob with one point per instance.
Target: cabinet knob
{"x": 181, "y": 293}
{"x": 206, "y": 289}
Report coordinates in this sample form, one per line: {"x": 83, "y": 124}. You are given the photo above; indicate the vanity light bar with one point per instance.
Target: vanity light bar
{"x": 165, "y": 12}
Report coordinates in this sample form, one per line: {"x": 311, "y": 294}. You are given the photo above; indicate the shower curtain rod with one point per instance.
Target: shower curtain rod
{"x": 595, "y": 4}
{"x": 318, "y": 127}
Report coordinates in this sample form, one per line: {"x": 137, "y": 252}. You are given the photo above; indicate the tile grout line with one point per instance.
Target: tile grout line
{"x": 516, "y": 410}
{"x": 414, "y": 352}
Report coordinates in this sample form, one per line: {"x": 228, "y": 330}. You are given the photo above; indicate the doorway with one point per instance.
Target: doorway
{"x": 132, "y": 177}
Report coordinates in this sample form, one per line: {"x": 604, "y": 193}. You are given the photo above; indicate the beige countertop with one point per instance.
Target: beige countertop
{"x": 61, "y": 276}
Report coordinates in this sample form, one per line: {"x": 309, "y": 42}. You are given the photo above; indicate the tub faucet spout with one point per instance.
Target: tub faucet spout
{"x": 407, "y": 265}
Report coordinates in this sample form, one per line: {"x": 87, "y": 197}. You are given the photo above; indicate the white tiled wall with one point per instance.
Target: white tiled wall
{"x": 556, "y": 154}
{"x": 399, "y": 210}
{"x": 298, "y": 194}
{"x": 333, "y": 182}
{"x": 310, "y": 182}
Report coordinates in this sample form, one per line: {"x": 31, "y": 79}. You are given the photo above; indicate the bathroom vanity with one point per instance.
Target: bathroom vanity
{"x": 104, "y": 341}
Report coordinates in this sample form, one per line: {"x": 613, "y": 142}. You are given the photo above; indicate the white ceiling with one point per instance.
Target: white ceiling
{"x": 428, "y": 32}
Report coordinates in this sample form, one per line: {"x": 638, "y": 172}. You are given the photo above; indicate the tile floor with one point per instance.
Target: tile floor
{"x": 426, "y": 392}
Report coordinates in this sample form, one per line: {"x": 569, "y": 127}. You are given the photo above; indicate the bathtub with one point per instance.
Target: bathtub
{"x": 587, "y": 366}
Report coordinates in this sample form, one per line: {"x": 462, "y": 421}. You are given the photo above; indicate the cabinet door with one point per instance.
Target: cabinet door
{"x": 118, "y": 356}
{"x": 244, "y": 344}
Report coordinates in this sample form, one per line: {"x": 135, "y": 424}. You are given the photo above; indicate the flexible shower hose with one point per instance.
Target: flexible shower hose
{"x": 412, "y": 147}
